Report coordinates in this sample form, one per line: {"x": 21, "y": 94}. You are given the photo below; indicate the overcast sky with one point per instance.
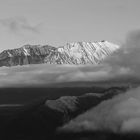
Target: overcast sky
{"x": 57, "y": 22}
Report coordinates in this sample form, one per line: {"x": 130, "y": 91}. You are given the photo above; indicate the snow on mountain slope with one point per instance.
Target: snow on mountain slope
{"x": 71, "y": 53}
{"x": 87, "y": 52}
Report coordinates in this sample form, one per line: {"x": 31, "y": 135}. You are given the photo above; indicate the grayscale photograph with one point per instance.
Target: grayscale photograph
{"x": 69, "y": 69}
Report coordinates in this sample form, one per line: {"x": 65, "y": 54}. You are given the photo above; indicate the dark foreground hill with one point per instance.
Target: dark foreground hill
{"x": 40, "y": 119}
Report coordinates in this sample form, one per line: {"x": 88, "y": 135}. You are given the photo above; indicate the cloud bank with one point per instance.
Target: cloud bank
{"x": 120, "y": 115}
{"x": 45, "y": 74}
{"x": 128, "y": 56}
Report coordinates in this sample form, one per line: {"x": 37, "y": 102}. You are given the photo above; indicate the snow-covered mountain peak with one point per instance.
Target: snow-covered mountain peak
{"x": 72, "y": 53}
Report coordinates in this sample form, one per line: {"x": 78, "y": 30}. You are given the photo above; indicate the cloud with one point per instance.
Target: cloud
{"x": 44, "y": 74}
{"x": 19, "y": 25}
{"x": 81, "y": 75}
{"x": 120, "y": 115}
{"x": 128, "y": 56}
{"x": 28, "y": 75}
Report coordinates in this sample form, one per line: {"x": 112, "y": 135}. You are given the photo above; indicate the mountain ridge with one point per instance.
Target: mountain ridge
{"x": 71, "y": 53}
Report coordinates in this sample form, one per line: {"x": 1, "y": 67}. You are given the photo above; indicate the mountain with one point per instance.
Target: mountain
{"x": 71, "y": 53}
{"x": 69, "y": 107}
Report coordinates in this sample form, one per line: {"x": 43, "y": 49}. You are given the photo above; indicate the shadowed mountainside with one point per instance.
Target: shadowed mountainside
{"x": 39, "y": 120}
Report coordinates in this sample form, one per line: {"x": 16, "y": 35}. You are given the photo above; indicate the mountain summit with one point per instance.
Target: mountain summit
{"x": 71, "y": 53}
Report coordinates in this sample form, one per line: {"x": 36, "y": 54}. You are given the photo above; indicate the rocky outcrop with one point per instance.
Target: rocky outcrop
{"x": 68, "y": 107}
{"x": 71, "y": 53}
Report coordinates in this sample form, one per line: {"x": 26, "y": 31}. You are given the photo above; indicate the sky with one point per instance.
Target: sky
{"x": 57, "y": 22}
